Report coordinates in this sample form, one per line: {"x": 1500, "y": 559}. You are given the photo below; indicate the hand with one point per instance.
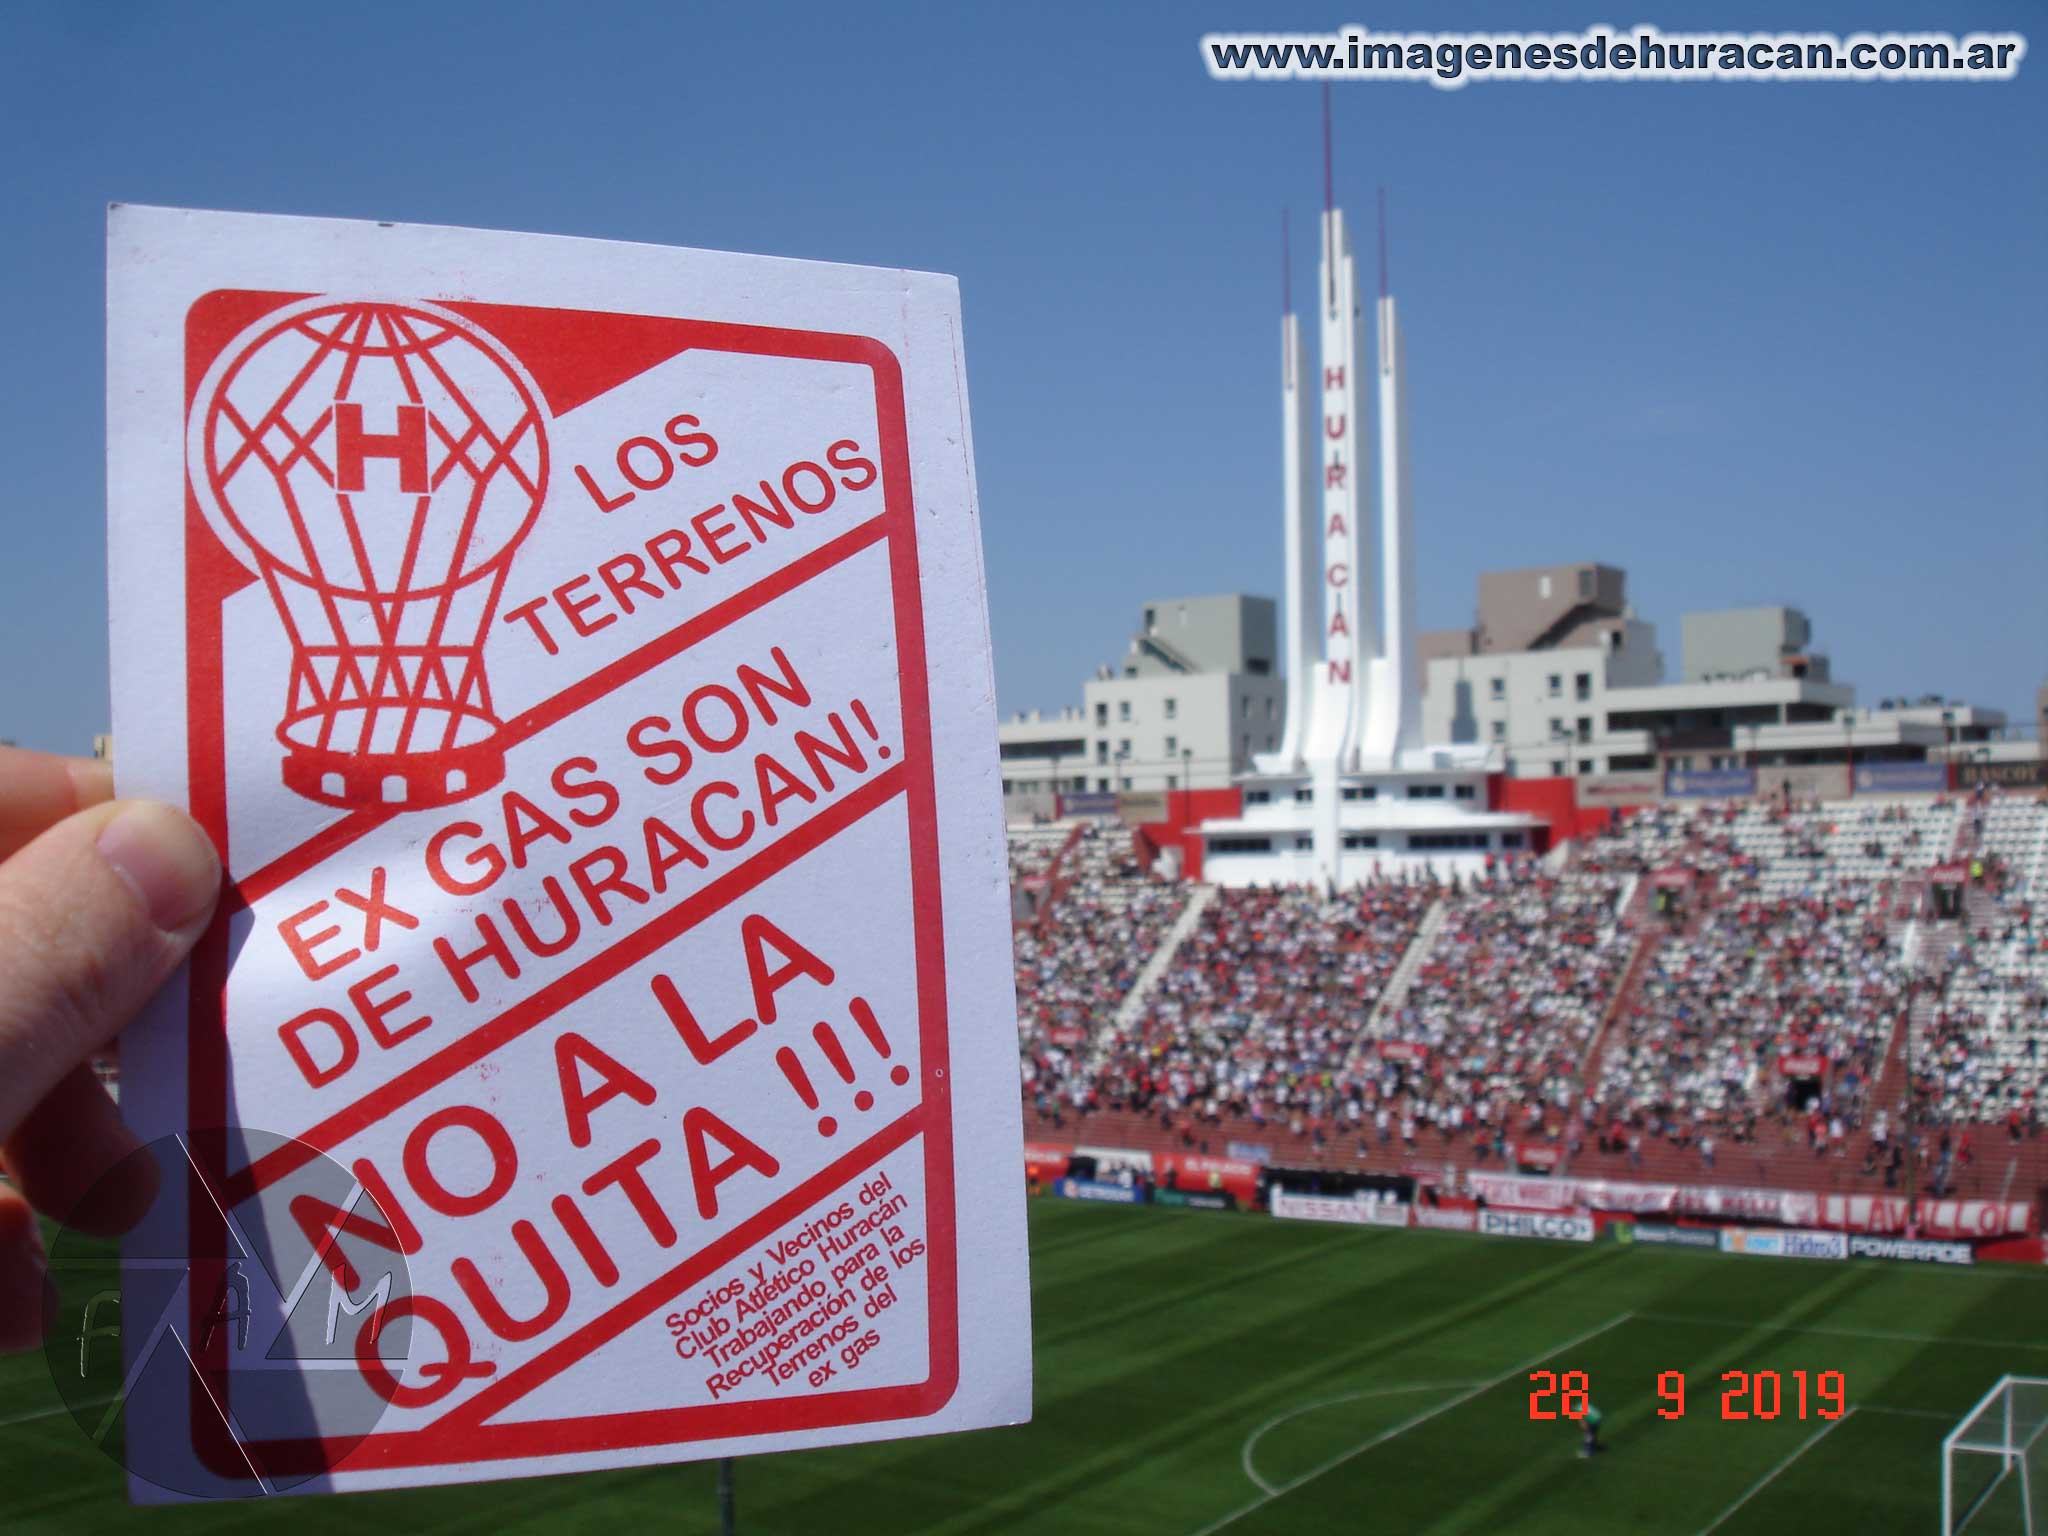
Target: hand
{"x": 100, "y": 899}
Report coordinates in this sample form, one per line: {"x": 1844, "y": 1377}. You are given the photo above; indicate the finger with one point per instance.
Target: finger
{"x": 39, "y": 789}
{"x": 78, "y": 1163}
{"x": 95, "y": 914}
{"x": 23, "y": 1270}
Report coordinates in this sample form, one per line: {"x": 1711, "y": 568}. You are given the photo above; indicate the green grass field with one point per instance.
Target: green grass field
{"x": 1201, "y": 1372}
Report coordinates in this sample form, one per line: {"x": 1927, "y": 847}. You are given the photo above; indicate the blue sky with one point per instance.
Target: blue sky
{"x": 1754, "y": 343}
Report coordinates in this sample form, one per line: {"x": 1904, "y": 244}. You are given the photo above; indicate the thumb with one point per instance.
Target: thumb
{"x": 95, "y": 914}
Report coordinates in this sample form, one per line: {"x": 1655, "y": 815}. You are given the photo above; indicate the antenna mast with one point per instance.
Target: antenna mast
{"x": 1383, "y": 242}
{"x": 1329, "y": 207}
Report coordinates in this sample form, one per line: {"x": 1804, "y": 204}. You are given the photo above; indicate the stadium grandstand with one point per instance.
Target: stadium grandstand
{"x": 1843, "y": 996}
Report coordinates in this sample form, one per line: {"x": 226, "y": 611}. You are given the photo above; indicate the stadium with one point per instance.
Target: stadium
{"x": 1655, "y": 1146}
{"x": 1491, "y": 1078}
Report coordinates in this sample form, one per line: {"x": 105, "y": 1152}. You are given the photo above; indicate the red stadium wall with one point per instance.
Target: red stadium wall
{"x": 1554, "y": 801}
{"x": 1186, "y": 810}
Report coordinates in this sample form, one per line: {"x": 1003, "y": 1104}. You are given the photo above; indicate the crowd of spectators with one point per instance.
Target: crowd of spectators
{"x": 1773, "y": 978}
{"x": 1981, "y": 1045}
{"x": 1762, "y": 1008}
{"x": 1079, "y": 962}
{"x": 1510, "y": 995}
{"x": 1262, "y": 1009}
{"x": 1033, "y": 850}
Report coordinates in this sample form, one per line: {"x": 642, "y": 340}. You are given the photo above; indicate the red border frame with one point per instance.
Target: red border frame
{"x": 211, "y": 576}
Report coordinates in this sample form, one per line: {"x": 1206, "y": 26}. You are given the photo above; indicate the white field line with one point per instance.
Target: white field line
{"x": 58, "y": 1411}
{"x": 1771, "y": 1476}
{"x": 1849, "y": 1333}
{"x": 1252, "y": 1440}
{"x": 1409, "y": 1423}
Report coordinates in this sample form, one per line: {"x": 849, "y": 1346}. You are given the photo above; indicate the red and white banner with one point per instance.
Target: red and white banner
{"x": 1403, "y": 1050}
{"x": 579, "y": 654}
{"x": 1736, "y": 1204}
{"x": 1944, "y": 1219}
{"x": 1802, "y": 1064}
{"x": 1045, "y": 1162}
{"x": 1446, "y": 1218}
{"x": 1952, "y": 1219}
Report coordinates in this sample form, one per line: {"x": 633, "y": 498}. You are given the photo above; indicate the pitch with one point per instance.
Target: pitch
{"x": 1201, "y": 1372}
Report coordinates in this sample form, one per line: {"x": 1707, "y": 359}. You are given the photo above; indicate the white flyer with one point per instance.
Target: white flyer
{"x": 605, "y": 1054}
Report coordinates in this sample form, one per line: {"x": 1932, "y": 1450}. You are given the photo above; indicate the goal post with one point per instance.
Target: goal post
{"x": 1994, "y": 1464}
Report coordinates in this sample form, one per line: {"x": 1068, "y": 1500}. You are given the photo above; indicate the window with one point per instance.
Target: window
{"x": 1304, "y": 845}
{"x": 1356, "y": 840}
{"x": 1304, "y": 795}
{"x": 1008, "y": 787}
{"x": 1123, "y": 709}
{"x": 1497, "y": 688}
{"x": 1556, "y": 684}
{"x": 1500, "y": 730}
{"x": 1102, "y": 784}
{"x": 1151, "y": 618}
{"x": 1582, "y": 686}
{"x": 1123, "y": 747}
{"x": 1124, "y": 783}
{"x": 1258, "y": 797}
{"x": 1425, "y": 791}
{"x": 1556, "y": 727}
{"x": 1226, "y": 845}
{"x": 1464, "y": 792}
{"x": 1557, "y": 767}
{"x": 1585, "y": 728}
{"x": 1361, "y": 792}
{"x": 1101, "y": 714}
{"x": 1511, "y": 839}
{"x": 1172, "y": 708}
{"x": 1101, "y": 755}
{"x": 1447, "y": 840}
{"x": 1172, "y": 745}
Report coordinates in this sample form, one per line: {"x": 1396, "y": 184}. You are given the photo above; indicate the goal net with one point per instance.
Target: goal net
{"x": 1994, "y": 1465}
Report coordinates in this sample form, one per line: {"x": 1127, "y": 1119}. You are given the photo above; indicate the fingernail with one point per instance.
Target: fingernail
{"x": 166, "y": 860}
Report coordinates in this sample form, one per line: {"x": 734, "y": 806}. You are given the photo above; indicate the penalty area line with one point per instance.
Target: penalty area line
{"x": 1412, "y": 1422}
{"x": 1252, "y": 1440}
{"x": 1847, "y": 1333}
{"x": 52, "y": 1413}
{"x": 1772, "y": 1476}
